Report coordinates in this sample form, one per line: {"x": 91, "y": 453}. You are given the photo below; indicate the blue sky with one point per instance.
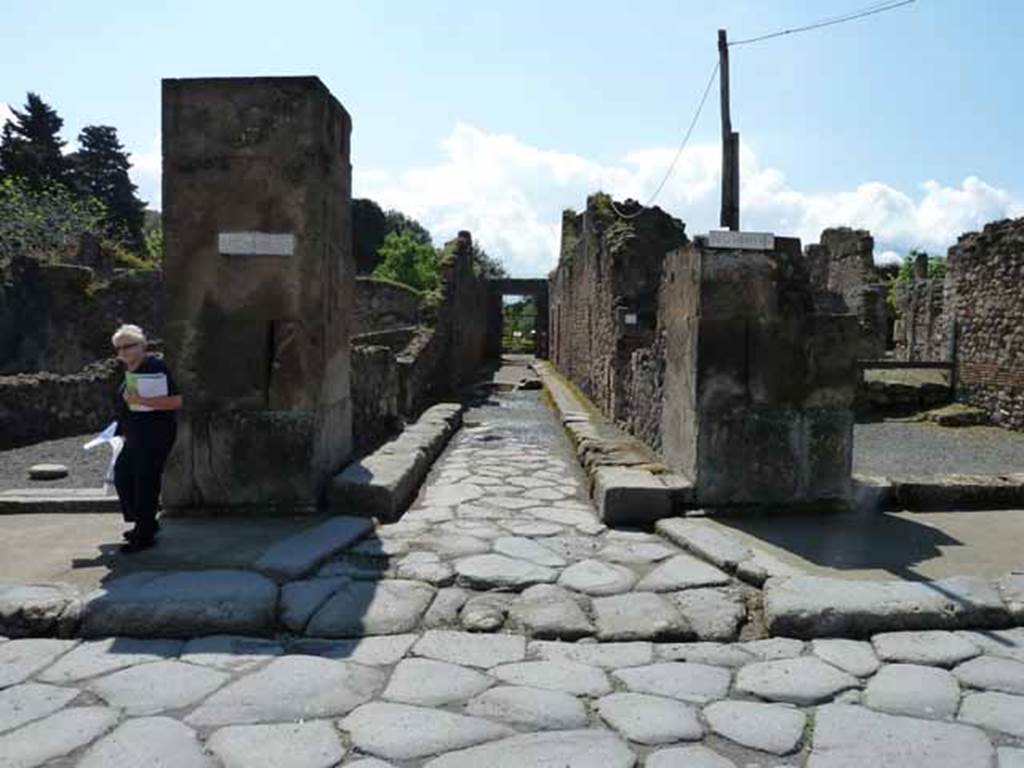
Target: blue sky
{"x": 496, "y": 116}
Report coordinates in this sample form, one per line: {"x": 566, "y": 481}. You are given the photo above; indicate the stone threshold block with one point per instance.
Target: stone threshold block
{"x": 626, "y": 496}
{"x": 383, "y": 484}
{"x": 816, "y": 606}
{"x": 38, "y": 610}
{"x": 21, "y": 501}
{"x": 939, "y": 493}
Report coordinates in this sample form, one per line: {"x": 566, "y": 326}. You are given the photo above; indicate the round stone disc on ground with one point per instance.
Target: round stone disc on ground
{"x": 47, "y": 472}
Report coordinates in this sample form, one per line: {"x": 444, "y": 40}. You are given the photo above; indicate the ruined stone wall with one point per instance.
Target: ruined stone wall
{"x": 984, "y": 279}
{"x": 382, "y": 305}
{"x": 603, "y": 298}
{"x": 646, "y": 393}
{"x": 921, "y": 329}
{"x": 842, "y": 272}
{"x": 59, "y": 317}
{"x": 375, "y": 397}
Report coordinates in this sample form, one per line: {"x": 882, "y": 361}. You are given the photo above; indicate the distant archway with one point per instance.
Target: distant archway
{"x": 498, "y": 289}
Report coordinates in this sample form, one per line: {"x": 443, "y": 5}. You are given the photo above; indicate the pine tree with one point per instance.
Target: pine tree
{"x": 30, "y": 146}
{"x": 100, "y": 170}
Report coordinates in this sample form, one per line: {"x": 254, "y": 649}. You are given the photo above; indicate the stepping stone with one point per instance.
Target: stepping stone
{"x": 650, "y": 719}
{"x": 485, "y": 612}
{"x": 854, "y": 656}
{"x": 688, "y": 757}
{"x": 55, "y": 736}
{"x": 381, "y": 651}
{"x": 148, "y": 741}
{"x": 21, "y": 659}
{"x": 181, "y": 604}
{"x": 774, "y": 648}
{"x": 847, "y": 736}
{"x": 565, "y": 749}
{"x": 291, "y": 688}
{"x": 360, "y": 608}
{"x": 802, "y": 681}
{"x": 604, "y": 655}
{"x": 639, "y": 616}
{"x": 567, "y": 676}
{"x": 711, "y": 614}
{"x": 231, "y": 653}
{"x": 284, "y": 745}
{"x": 427, "y": 567}
{"x": 943, "y": 649}
{"x": 908, "y": 689}
{"x": 993, "y": 674}
{"x": 551, "y": 612}
{"x": 401, "y": 732}
{"x": 696, "y": 683}
{"x": 499, "y": 571}
{"x": 300, "y": 554}
{"x": 770, "y": 728}
{"x": 594, "y": 577}
{"x": 471, "y": 650}
{"x": 24, "y": 703}
{"x": 148, "y": 689}
{"x": 47, "y": 472}
{"x": 995, "y": 711}
{"x": 100, "y": 657}
{"x": 526, "y": 549}
{"x": 682, "y": 572}
{"x": 715, "y": 654}
{"x": 529, "y": 708}
{"x": 431, "y": 683}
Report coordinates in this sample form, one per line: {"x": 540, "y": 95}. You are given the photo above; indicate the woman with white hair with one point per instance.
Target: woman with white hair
{"x": 146, "y": 405}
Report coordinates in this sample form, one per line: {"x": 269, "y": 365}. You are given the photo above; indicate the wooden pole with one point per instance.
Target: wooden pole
{"x": 730, "y": 213}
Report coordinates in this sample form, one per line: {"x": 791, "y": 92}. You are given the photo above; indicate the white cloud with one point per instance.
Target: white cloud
{"x": 5, "y": 113}
{"x": 145, "y": 173}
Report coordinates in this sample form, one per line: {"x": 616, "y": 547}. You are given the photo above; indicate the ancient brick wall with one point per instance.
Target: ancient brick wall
{"x": 921, "y": 330}
{"x": 603, "y": 298}
{"x": 984, "y": 279}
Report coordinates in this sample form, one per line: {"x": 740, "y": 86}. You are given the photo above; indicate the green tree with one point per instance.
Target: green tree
{"x": 398, "y": 222}
{"x": 44, "y": 223}
{"x": 100, "y": 170}
{"x": 30, "y": 146}
{"x": 407, "y": 260}
{"x": 487, "y": 266}
{"x": 369, "y": 228}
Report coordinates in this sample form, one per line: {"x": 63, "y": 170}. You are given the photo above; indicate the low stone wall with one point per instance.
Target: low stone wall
{"x": 383, "y": 305}
{"x": 46, "y": 406}
{"x": 375, "y": 396}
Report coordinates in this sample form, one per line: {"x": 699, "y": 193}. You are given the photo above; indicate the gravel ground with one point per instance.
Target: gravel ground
{"x": 909, "y": 448}
{"x": 87, "y": 468}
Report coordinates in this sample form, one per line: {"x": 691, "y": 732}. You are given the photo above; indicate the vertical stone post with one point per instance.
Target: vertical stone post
{"x": 259, "y": 281}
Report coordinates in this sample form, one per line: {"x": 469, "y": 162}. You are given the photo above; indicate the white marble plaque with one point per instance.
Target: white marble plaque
{"x": 631, "y": 319}
{"x": 745, "y": 241}
{"x": 255, "y": 244}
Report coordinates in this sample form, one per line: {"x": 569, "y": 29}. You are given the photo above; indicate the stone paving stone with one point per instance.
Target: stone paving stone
{"x": 181, "y": 604}
{"x": 388, "y": 607}
{"x": 716, "y": 654}
{"x": 29, "y": 610}
{"x": 402, "y": 732}
{"x": 381, "y": 651}
{"x": 451, "y": 495}
{"x": 682, "y": 572}
{"x": 471, "y": 650}
{"x": 356, "y": 570}
{"x": 650, "y": 719}
{"x": 20, "y": 659}
{"x": 639, "y": 553}
{"x": 573, "y": 516}
{"x": 299, "y": 554}
{"x": 704, "y": 540}
{"x": 301, "y": 599}
{"x": 567, "y": 676}
{"x": 485, "y": 612}
{"x": 499, "y": 571}
{"x": 908, "y": 689}
{"x": 451, "y": 545}
{"x": 993, "y": 674}
{"x": 526, "y": 481}
{"x": 232, "y": 653}
{"x": 1005, "y": 643}
{"x": 687, "y": 757}
{"x": 854, "y": 656}
{"x": 854, "y": 737}
{"x": 477, "y": 528}
{"x": 532, "y": 528}
{"x": 430, "y": 683}
{"x": 379, "y": 548}
{"x": 996, "y": 711}
{"x": 639, "y": 616}
{"x": 550, "y": 612}
{"x": 1010, "y": 757}
{"x": 604, "y": 655}
{"x": 529, "y": 708}
{"x": 148, "y": 741}
{"x": 54, "y": 736}
{"x": 425, "y": 566}
{"x": 594, "y": 577}
{"x": 527, "y": 549}
{"x": 444, "y": 611}
{"x": 696, "y": 683}
{"x": 369, "y": 762}
{"x": 800, "y": 681}
{"x": 148, "y": 689}
{"x": 283, "y": 745}
{"x": 550, "y": 749}
{"x": 99, "y": 657}
{"x": 24, "y": 703}
{"x": 712, "y": 614}
{"x": 774, "y": 648}
{"x": 291, "y": 688}
{"x": 939, "y": 648}
{"x": 770, "y": 728}
{"x": 509, "y": 502}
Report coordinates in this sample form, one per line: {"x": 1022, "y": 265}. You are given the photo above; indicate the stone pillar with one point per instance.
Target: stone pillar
{"x": 758, "y": 385}
{"x": 259, "y": 289}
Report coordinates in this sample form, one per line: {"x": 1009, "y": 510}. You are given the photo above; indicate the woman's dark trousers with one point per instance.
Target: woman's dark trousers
{"x": 137, "y": 475}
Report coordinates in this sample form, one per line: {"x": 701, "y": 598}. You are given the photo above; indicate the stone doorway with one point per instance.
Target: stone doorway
{"x": 526, "y": 315}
